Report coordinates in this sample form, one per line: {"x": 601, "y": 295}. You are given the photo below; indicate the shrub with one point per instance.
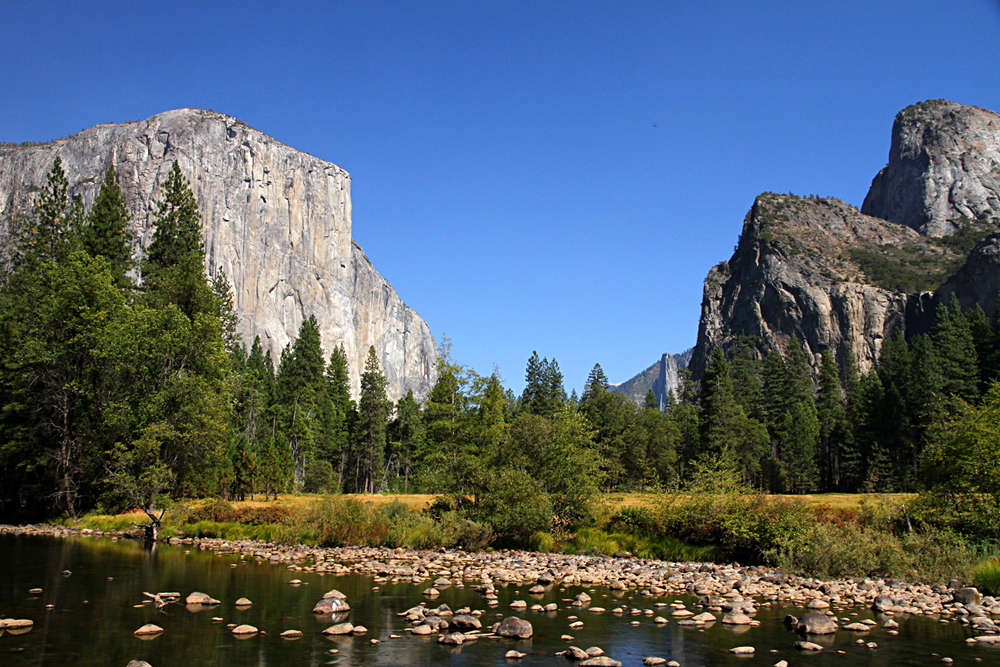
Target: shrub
{"x": 319, "y": 478}
{"x": 986, "y": 576}
{"x": 338, "y": 521}
{"x": 828, "y": 550}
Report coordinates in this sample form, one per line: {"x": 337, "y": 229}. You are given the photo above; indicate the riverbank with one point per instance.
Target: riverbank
{"x": 721, "y": 586}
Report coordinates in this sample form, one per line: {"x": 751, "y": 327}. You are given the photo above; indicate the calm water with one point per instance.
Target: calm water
{"x": 93, "y": 618}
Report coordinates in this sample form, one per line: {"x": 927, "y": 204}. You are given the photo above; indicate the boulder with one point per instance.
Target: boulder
{"x": 245, "y": 630}
{"x": 736, "y": 618}
{"x": 200, "y": 598}
{"x": 808, "y": 646}
{"x": 331, "y": 605}
{"x": 600, "y": 661}
{"x": 339, "y": 629}
{"x": 466, "y": 622}
{"x": 967, "y": 595}
{"x": 148, "y": 629}
{"x": 514, "y": 627}
{"x": 243, "y": 602}
{"x": 334, "y": 594}
{"x": 452, "y": 638}
{"x": 514, "y": 655}
{"x": 816, "y": 624}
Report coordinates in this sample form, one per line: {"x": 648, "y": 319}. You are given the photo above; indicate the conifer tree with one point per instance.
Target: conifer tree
{"x": 373, "y": 415}
{"x": 107, "y": 233}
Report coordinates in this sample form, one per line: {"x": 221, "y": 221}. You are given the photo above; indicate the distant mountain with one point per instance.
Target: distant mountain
{"x": 662, "y": 377}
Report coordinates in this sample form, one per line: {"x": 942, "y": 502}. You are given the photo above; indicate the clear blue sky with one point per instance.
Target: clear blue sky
{"x": 551, "y": 176}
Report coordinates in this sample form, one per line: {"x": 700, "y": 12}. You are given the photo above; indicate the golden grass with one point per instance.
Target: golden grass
{"x": 615, "y": 501}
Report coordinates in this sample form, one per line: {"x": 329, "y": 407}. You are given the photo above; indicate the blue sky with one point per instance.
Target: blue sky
{"x": 550, "y": 176}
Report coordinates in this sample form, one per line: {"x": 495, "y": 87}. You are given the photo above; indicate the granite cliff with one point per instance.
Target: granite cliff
{"x": 275, "y": 219}
{"x": 663, "y": 377}
{"x": 841, "y": 279}
{"x": 943, "y": 170}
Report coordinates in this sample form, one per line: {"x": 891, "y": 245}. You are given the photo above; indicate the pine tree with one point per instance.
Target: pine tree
{"x": 406, "y": 438}
{"x": 55, "y": 230}
{"x": 832, "y": 422}
{"x": 342, "y": 412}
{"x": 651, "y": 402}
{"x": 107, "y": 233}
{"x": 178, "y": 226}
{"x": 226, "y": 312}
{"x": 373, "y": 415}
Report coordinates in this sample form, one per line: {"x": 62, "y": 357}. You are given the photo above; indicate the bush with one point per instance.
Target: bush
{"x": 319, "y": 478}
{"x": 986, "y": 576}
{"x": 515, "y": 507}
{"x": 338, "y": 521}
{"x": 828, "y": 550}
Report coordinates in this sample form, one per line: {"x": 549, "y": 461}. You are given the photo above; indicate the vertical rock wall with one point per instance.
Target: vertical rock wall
{"x": 275, "y": 219}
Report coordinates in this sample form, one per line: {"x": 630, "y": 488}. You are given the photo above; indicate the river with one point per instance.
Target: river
{"x": 97, "y": 606}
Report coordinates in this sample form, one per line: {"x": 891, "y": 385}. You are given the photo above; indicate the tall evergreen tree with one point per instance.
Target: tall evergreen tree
{"x": 107, "y": 233}
{"x": 373, "y": 415}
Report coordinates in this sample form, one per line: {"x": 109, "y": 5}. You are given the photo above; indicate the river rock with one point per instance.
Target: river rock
{"x": 245, "y": 630}
{"x": 967, "y": 595}
{"x": 743, "y": 650}
{"x": 359, "y": 630}
{"x": 423, "y": 630}
{"x": 334, "y": 594}
{"x": 19, "y": 623}
{"x": 243, "y": 602}
{"x": 452, "y": 638}
{"x": 515, "y": 627}
{"x": 575, "y": 653}
{"x": 857, "y": 627}
{"x": 138, "y": 663}
{"x": 653, "y": 661}
{"x": 201, "y": 598}
{"x": 339, "y": 629}
{"x": 600, "y": 661}
{"x": 291, "y": 634}
{"x": 736, "y": 618}
{"x": 331, "y": 605}
{"x": 466, "y": 622}
{"x": 514, "y": 655}
{"x": 808, "y": 646}
{"x": 148, "y": 629}
{"x": 816, "y": 624}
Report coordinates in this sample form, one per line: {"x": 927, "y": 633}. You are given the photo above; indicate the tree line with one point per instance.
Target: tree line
{"x": 123, "y": 382}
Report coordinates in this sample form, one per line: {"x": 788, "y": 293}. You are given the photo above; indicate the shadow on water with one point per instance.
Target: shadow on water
{"x": 95, "y": 609}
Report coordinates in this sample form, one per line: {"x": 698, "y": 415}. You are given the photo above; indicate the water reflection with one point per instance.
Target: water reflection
{"x": 98, "y": 607}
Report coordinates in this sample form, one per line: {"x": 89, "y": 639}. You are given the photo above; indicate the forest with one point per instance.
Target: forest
{"x": 125, "y": 383}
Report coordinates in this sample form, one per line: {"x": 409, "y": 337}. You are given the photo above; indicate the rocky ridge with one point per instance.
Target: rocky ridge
{"x": 275, "y": 219}
{"x": 841, "y": 279}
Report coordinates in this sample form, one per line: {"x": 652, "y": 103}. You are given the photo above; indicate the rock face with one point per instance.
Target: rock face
{"x": 276, "y": 220}
{"x": 662, "y": 377}
{"x": 944, "y": 166}
{"x": 807, "y": 268}
{"x": 978, "y": 281}
{"x": 843, "y": 280}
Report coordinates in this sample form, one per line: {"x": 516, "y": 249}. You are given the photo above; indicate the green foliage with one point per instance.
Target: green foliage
{"x": 107, "y": 233}
{"x": 338, "y": 521}
{"x": 515, "y": 506}
{"x": 319, "y": 478}
{"x": 986, "y": 576}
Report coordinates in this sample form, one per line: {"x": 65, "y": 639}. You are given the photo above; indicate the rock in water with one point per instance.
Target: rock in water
{"x": 331, "y": 606}
{"x": 276, "y": 220}
{"x": 515, "y": 627}
{"x": 138, "y": 663}
{"x": 816, "y": 624}
{"x": 245, "y": 630}
{"x": 200, "y": 598}
{"x": 148, "y": 629}
{"x": 339, "y": 629}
